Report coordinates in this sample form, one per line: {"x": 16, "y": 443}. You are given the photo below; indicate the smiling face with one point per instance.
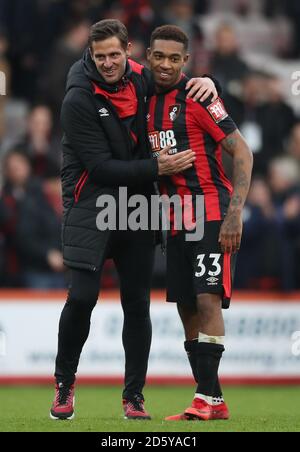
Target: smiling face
{"x": 167, "y": 59}
{"x": 110, "y": 58}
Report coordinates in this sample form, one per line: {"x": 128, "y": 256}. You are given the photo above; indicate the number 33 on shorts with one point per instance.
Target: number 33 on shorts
{"x": 215, "y": 268}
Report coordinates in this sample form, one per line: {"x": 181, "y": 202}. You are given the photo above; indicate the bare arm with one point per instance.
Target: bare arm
{"x": 231, "y": 230}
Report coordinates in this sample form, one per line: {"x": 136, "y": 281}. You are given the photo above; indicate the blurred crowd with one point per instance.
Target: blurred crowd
{"x": 41, "y": 39}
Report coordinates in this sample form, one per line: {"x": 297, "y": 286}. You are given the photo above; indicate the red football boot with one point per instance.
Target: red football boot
{"x": 177, "y": 417}
{"x": 203, "y": 411}
{"x": 220, "y": 412}
{"x": 199, "y": 411}
{"x": 63, "y": 405}
{"x": 134, "y": 408}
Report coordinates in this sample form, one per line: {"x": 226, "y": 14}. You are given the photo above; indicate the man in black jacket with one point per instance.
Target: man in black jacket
{"x": 105, "y": 146}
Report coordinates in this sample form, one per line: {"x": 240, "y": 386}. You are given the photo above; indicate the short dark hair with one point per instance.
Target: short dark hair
{"x": 108, "y": 28}
{"x": 170, "y": 33}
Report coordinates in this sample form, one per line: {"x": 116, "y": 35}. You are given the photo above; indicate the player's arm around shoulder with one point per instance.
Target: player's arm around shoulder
{"x": 205, "y": 88}
{"x": 231, "y": 230}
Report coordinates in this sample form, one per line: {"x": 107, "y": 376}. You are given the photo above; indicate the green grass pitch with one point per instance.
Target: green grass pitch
{"x": 98, "y": 409}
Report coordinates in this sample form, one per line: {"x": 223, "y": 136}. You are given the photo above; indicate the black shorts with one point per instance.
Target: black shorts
{"x": 199, "y": 267}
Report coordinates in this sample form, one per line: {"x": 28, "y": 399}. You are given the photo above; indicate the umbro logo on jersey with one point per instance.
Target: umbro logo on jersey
{"x": 174, "y": 112}
{"x": 148, "y": 117}
{"x": 103, "y": 112}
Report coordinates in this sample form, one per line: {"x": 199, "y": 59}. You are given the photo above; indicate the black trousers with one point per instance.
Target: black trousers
{"x": 133, "y": 254}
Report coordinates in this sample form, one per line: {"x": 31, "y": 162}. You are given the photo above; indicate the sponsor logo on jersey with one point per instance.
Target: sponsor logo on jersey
{"x": 162, "y": 139}
{"x": 217, "y": 111}
{"x": 154, "y": 141}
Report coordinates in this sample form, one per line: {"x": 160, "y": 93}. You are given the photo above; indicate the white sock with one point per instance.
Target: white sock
{"x": 220, "y": 340}
{"x": 207, "y": 399}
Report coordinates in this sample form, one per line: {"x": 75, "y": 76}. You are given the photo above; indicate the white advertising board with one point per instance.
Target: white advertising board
{"x": 261, "y": 340}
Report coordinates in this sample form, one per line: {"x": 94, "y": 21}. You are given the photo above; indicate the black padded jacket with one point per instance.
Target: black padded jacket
{"x": 98, "y": 158}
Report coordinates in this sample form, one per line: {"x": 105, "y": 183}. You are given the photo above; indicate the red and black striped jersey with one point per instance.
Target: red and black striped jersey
{"x": 174, "y": 120}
